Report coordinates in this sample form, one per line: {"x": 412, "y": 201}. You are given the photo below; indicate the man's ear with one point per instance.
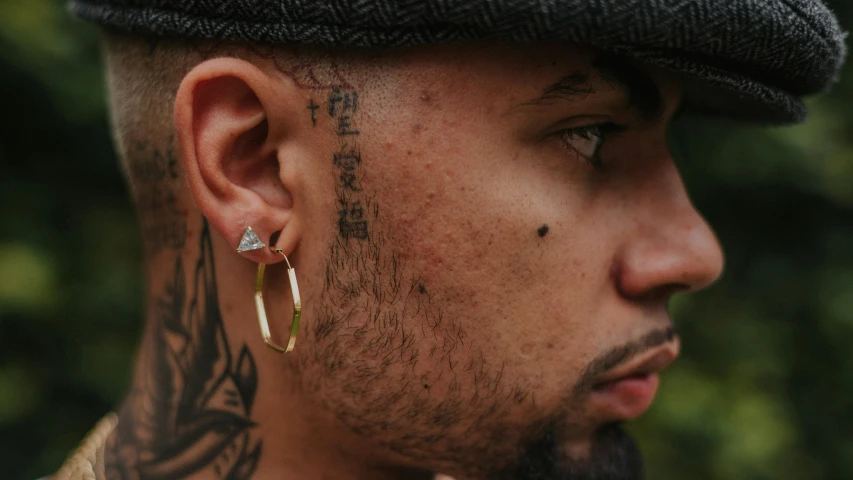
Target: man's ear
{"x": 232, "y": 119}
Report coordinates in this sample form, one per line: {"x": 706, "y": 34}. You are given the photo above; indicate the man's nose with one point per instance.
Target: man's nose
{"x": 668, "y": 247}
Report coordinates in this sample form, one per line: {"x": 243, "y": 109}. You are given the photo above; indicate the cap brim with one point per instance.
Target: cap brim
{"x": 717, "y": 92}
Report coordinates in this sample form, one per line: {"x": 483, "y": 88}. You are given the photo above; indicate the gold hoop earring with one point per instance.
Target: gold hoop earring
{"x": 262, "y": 312}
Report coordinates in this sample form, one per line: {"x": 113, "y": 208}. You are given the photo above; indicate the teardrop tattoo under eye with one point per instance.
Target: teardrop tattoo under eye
{"x": 587, "y": 141}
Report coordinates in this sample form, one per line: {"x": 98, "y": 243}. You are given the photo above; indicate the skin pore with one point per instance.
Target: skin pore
{"x": 481, "y": 232}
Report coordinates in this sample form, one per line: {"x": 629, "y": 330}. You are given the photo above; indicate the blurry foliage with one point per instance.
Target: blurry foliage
{"x": 70, "y": 286}
{"x": 763, "y": 390}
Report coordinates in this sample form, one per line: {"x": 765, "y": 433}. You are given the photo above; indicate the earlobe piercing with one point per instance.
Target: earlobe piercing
{"x": 250, "y": 241}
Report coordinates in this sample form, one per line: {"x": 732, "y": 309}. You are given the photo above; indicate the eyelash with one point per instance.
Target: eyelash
{"x": 595, "y": 133}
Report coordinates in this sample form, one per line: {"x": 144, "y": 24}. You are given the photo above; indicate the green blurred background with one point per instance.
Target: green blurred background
{"x": 763, "y": 390}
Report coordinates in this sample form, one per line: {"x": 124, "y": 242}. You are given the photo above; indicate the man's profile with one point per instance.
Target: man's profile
{"x": 480, "y": 206}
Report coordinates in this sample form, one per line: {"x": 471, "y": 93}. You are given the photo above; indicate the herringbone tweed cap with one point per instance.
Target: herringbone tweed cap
{"x": 750, "y": 59}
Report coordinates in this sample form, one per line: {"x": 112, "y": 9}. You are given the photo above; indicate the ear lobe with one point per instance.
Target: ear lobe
{"x": 229, "y": 147}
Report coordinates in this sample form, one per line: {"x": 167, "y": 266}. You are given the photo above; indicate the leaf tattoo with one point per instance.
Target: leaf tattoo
{"x": 191, "y": 411}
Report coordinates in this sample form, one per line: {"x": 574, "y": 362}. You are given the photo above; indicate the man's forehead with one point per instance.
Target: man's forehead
{"x": 521, "y": 77}
{"x": 596, "y": 72}
{"x": 496, "y": 65}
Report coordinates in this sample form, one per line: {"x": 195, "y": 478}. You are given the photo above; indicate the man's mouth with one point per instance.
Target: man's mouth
{"x": 627, "y": 391}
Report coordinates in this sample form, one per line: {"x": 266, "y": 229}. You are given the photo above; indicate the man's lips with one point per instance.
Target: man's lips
{"x": 627, "y": 391}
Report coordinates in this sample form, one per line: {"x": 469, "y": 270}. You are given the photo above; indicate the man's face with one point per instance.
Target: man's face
{"x": 505, "y": 229}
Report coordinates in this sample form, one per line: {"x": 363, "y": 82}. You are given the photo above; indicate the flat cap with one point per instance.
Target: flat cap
{"x": 748, "y": 59}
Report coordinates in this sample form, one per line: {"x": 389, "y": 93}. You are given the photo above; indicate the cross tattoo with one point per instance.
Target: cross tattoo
{"x": 313, "y": 107}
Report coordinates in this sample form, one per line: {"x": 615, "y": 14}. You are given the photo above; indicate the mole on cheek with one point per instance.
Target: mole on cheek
{"x": 543, "y": 230}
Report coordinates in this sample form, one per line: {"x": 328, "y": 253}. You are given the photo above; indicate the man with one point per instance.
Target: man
{"x": 477, "y": 200}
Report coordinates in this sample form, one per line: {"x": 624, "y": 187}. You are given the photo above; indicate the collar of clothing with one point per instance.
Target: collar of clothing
{"x": 87, "y": 461}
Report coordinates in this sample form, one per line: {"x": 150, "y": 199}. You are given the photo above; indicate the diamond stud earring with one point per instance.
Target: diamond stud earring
{"x": 250, "y": 241}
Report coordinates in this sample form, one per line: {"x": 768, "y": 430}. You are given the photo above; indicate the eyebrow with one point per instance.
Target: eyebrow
{"x": 644, "y": 95}
{"x": 569, "y": 87}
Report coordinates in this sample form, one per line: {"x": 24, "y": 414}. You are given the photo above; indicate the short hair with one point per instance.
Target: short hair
{"x": 143, "y": 77}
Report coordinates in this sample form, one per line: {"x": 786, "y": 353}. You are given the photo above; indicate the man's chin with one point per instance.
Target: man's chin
{"x": 613, "y": 455}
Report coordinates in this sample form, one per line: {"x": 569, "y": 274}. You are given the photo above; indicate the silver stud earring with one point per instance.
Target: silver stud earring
{"x": 250, "y": 241}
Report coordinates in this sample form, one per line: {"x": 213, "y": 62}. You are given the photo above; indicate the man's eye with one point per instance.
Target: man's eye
{"x": 587, "y": 141}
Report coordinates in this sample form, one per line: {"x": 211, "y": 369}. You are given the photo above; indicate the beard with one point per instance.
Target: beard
{"x": 447, "y": 431}
{"x": 613, "y": 456}
{"x": 361, "y": 362}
